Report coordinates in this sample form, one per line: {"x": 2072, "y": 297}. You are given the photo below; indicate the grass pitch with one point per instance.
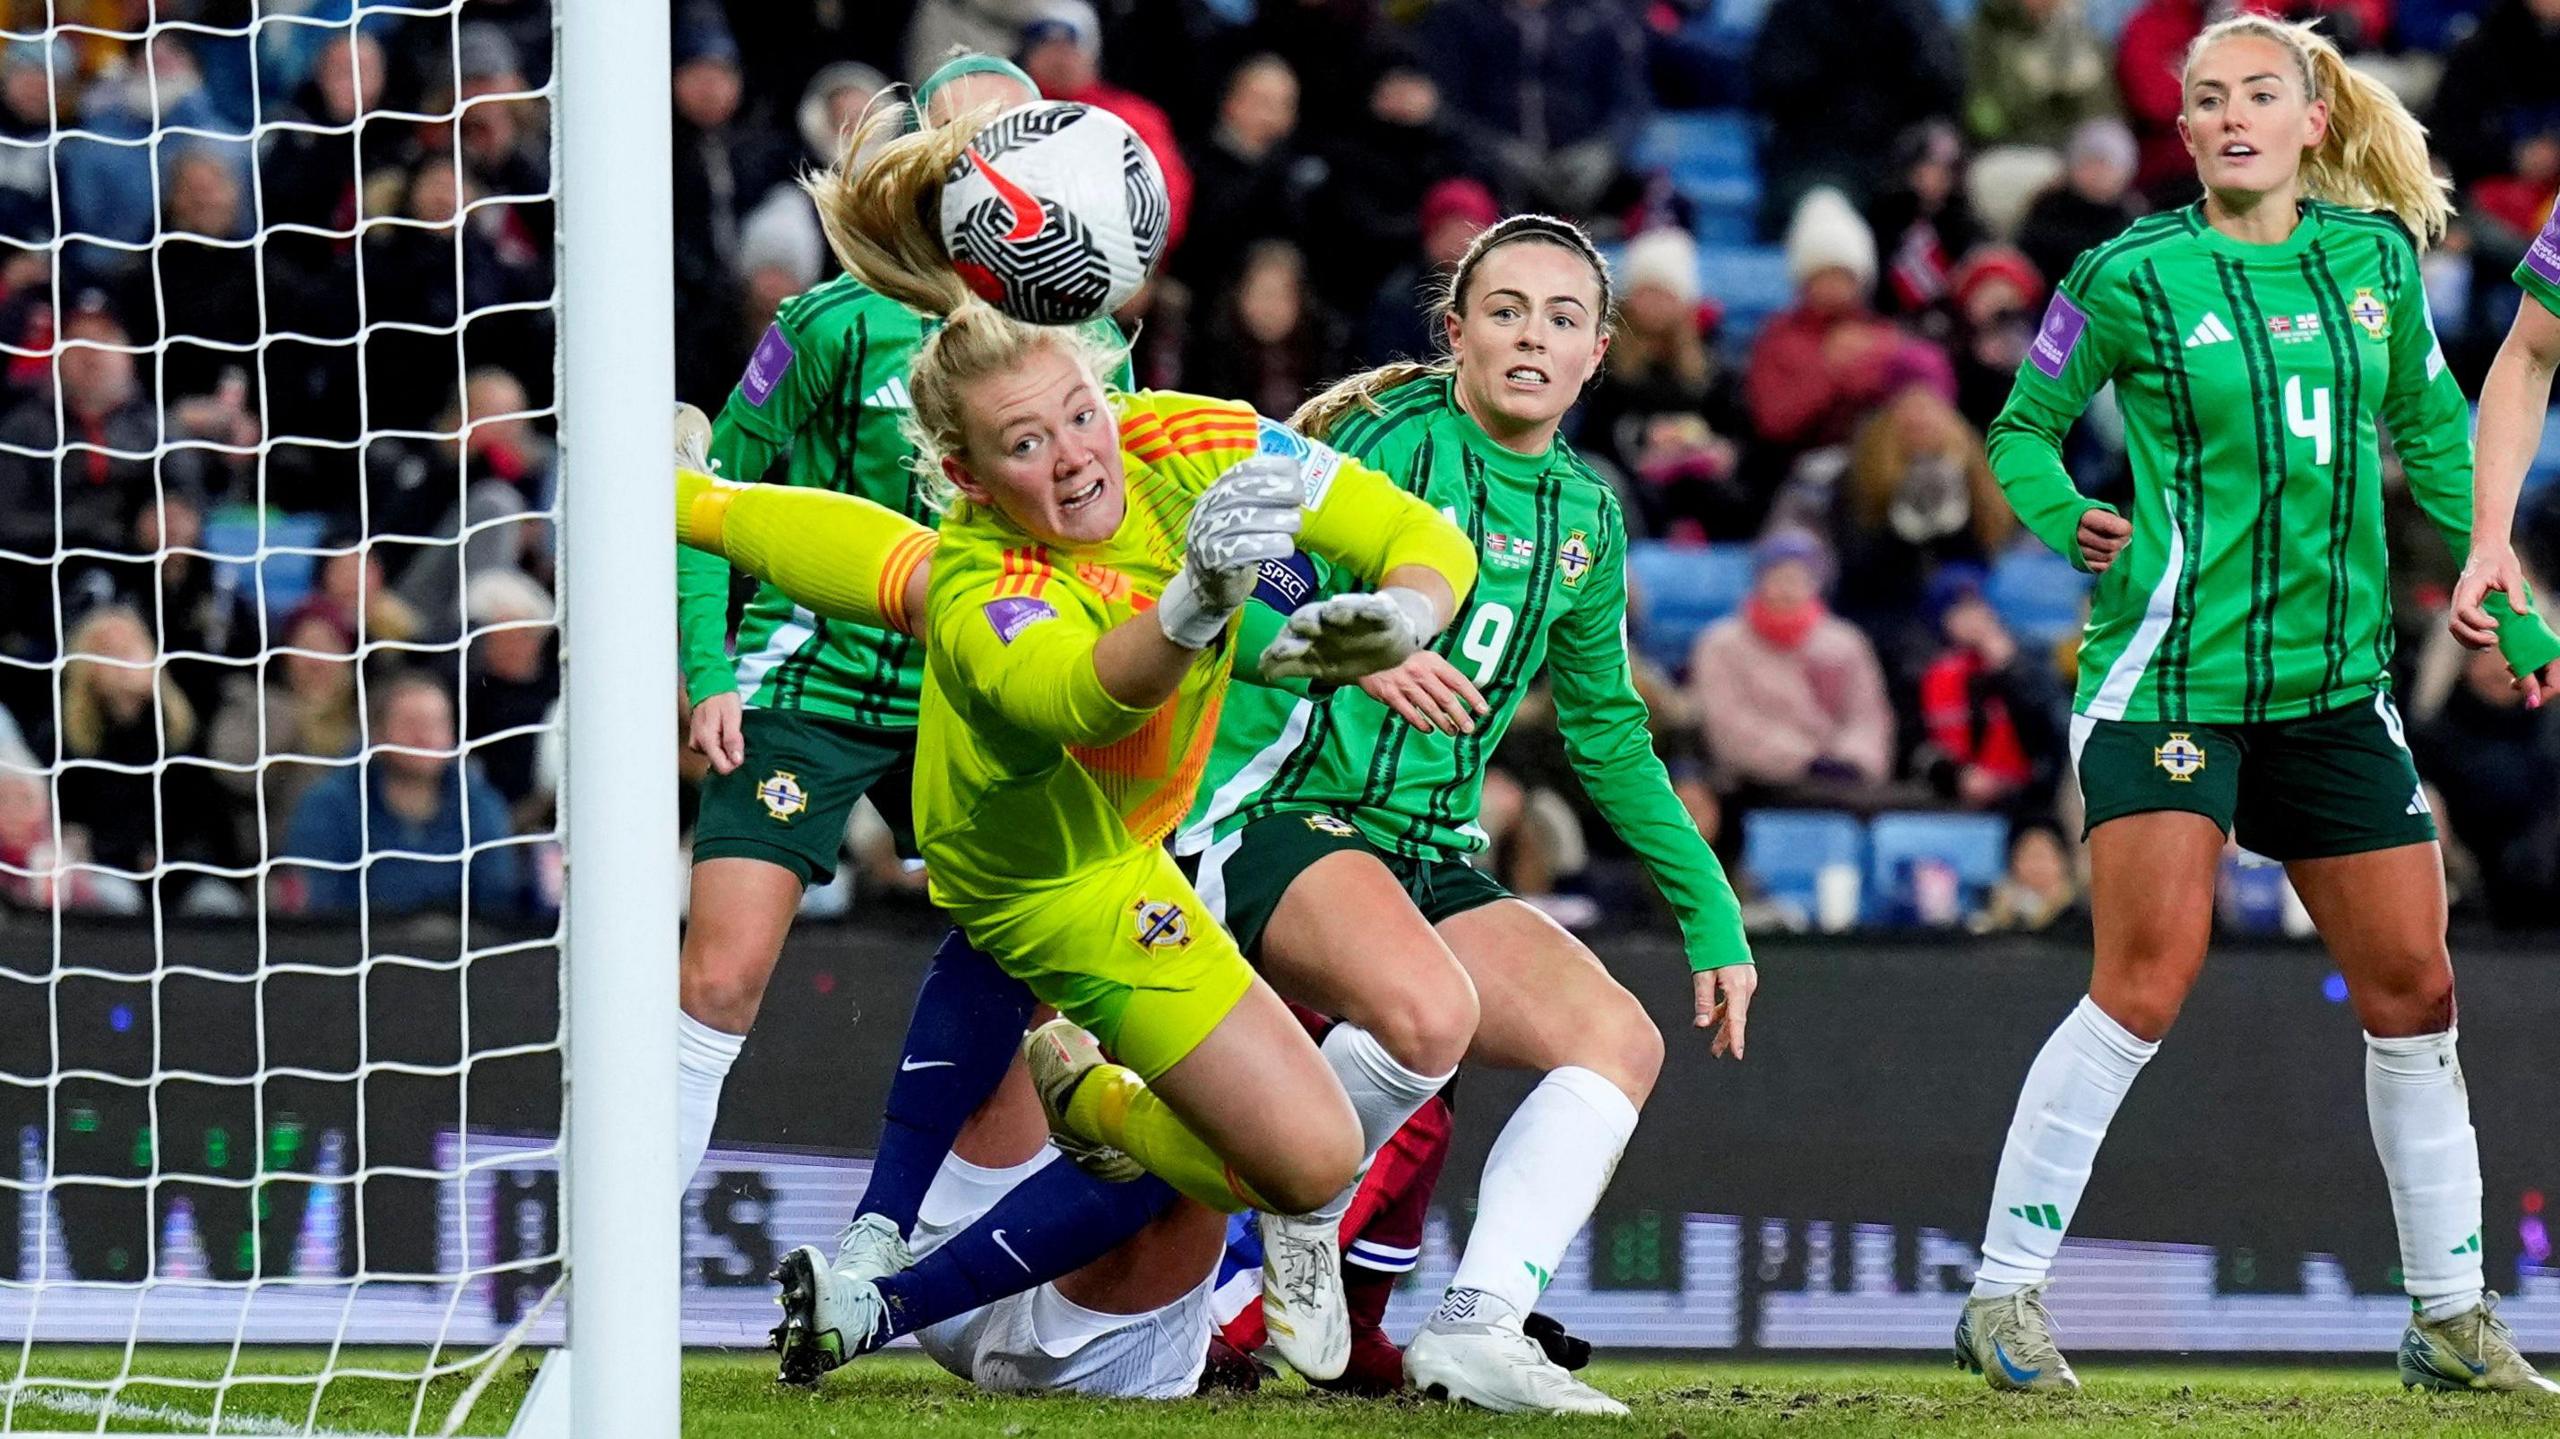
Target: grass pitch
{"x": 733, "y": 1396}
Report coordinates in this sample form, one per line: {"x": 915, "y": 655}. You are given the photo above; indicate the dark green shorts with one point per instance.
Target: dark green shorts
{"x": 2339, "y": 782}
{"x": 1242, "y": 877}
{"x": 789, "y": 802}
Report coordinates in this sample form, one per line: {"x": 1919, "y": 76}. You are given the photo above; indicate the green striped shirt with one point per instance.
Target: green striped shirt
{"x": 2255, "y": 381}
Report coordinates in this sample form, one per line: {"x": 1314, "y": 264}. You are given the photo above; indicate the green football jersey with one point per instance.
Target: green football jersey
{"x": 2251, "y": 378}
{"x": 2539, "y": 271}
{"x": 826, "y": 387}
{"x": 1551, "y": 594}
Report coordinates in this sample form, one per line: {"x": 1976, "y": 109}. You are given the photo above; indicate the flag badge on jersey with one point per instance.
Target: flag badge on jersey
{"x": 782, "y": 795}
{"x": 1573, "y": 557}
{"x": 1511, "y": 552}
{"x": 2181, "y": 757}
{"x": 1159, "y": 924}
{"x": 2371, "y": 313}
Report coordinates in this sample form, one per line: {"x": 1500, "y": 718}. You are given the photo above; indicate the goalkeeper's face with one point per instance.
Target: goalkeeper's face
{"x": 1043, "y": 450}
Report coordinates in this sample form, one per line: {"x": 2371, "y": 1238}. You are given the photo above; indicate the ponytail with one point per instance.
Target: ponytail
{"x": 1316, "y": 418}
{"x": 877, "y": 203}
{"x": 2374, "y": 156}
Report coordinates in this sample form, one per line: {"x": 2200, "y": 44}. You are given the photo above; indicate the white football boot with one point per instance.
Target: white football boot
{"x": 1481, "y": 1357}
{"x": 827, "y": 1318}
{"x": 1302, "y": 1302}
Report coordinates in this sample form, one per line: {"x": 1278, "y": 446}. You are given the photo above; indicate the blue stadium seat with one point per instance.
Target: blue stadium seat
{"x": 1713, "y": 159}
{"x": 1783, "y": 849}
{"x": 2037, "y": 592}
{"x": 233, "y": 532}
{"x": 1685, "y": 588}
{"x": 1750, "y": 281}
{"x": 1977, "y": 845}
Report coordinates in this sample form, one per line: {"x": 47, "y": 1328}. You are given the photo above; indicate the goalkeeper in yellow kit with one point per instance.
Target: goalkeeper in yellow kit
{"x": 1092, "y": 557}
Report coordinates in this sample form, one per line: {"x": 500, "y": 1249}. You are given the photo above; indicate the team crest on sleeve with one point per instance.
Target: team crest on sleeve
{"x": 2182, "y": 757}
{"x": 782, "y": 795}
{"x": 2057, "y": 336}
{"x": 1573, "y": 558}
{"x": 1333, "y": 824}
{"x": 2371, "y": 313}
{"x": 766, "y": 366}
{"x": 1159, "y": 924}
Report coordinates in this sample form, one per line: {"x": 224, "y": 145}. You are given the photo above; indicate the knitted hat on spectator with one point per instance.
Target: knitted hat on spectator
{"x": 1667, "y": 258}
{"x": 503, "y": 596}
{"x": 2104, "y": 138}
{"x": 817, "y": 121}
{"x": 1782, "y": 546}
{"x": 483, "y": 51}
{"x": 1063, "y": 19}
{"x": 1828, "y": 233}
{"x": 702, "y": 33}
{"x": 1985, "y": 263}
{"x": 1458, "y": 198}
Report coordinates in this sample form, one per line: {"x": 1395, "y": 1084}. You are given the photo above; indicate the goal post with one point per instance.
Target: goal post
{"x": 617, "y": 399}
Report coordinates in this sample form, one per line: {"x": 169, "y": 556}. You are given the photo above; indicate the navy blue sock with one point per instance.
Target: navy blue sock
{"x": 1056, "y": 1222}
{"x": 968, "y": 1021}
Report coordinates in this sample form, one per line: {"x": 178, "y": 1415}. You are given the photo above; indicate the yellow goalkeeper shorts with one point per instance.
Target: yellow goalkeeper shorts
{"x": 1127, "y": 950}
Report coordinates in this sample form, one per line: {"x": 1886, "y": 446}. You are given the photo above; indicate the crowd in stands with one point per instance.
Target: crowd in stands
{"x": 1835, "y": 223}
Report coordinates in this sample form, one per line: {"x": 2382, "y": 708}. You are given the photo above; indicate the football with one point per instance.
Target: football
{"x": 1056, "y": 213}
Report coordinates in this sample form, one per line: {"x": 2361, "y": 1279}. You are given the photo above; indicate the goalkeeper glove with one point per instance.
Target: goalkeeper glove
{"x": 1347, "y": 636}
{"x": 1250, "y": 515}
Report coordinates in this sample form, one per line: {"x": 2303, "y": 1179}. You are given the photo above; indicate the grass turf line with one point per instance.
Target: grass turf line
{"x": 733, "y": 1396}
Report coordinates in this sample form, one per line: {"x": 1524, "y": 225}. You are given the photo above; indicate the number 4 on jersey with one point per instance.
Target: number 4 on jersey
{"x": 2311, "y": 424}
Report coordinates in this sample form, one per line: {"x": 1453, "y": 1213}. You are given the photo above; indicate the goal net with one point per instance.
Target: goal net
{"x": 282, "y": 873}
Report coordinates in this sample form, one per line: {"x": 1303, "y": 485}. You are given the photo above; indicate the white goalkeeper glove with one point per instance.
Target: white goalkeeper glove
{"x": 1348, "y": 636}
{"x": 1250, "y": 515}
{"x": 693, "y": 439}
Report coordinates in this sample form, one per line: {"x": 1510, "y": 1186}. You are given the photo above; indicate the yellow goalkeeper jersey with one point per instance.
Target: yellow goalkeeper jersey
{"x": 1028, "y": 773}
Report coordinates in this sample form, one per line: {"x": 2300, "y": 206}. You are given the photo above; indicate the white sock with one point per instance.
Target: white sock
{"x": 1542, "y": 1179}
{"x": 1383, "y": 1093}
{"x": 2421, "y": 1115}
{"x": 703, "y": 1057}
{"x": 2070, "y": 1097}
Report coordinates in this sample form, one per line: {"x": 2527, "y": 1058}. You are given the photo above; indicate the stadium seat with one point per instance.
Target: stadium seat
{"x": 1712, "y": 157}
{"x": 2038, "y": 593}
{"x": 1685, "y": 588}
{"x": 1785, "y": 849}
{"x": 233, "y": 533}
{"x": 1976, "y": 845}
{"x": 1750, "y": 281}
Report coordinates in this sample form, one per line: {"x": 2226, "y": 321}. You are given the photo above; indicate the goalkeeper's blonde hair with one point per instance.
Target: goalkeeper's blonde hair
{"x": 878, "y": 204}
{"x": 2374, "y": 156}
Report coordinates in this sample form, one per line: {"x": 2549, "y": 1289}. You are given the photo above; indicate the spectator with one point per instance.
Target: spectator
{"x": 503, "y": 147}
{"x": 350, "y": 592}
{"x": 1157, "y": 321}
{"x": 287, "y": 722}
{"x": 1251, "y": 184}
{"x": 410, "y": 274}
{"x": 1271, "y": 343}
{"x": 2498, "y": 90}
{"x": 1555, "y": 90}
{"x": 781, "y": 250}
{"x": 29, "y": 101}
{"x": 105, "y": 416}
{"x": 1788, "y": 694}
{"x": 408, "y": 795}
{"x": 2040, "y": 889}
{"x": 1397, "y": 150}
{"x": 120, "y": 708}
{"x": 1402, "y": 324}
{"x": 309, "y": 168}
{"x": 1919, "y": 501}
{"x": 1997, "y": 297}
{"x": 1833, "y": 78}
{"x": 1062, "y": 50}
{"x": 990, "y": 27}
{"x": 108, "y": 178}
{"x": 1665, "y": 410}
{"x": 723, "y": 170}
{"x": 2035, "y": 69}
{"x": 1923, "y": 222}
{"x": 200, "y": 284}
{"x": 514, "y": 677}
{"x": 2496, "y": 761}
{"x": 1988, "y": 714}
{"x": 207, "y": 627}
{"x": 2092, "y": 205}
{"x": 1818, "y": 368}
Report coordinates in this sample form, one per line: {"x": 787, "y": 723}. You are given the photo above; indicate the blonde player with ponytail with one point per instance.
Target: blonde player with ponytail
{"x": 2234, "y": 677}
{"x": 1093, "y": 553}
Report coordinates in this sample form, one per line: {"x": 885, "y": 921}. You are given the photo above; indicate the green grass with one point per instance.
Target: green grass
{"x": 903, "y": 1395}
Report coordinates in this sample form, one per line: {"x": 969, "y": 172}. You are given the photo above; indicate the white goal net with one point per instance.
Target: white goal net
{"x": 282, "y": 980}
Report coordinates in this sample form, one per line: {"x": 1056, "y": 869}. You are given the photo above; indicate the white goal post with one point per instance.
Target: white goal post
{"x": 282, "y": 1152}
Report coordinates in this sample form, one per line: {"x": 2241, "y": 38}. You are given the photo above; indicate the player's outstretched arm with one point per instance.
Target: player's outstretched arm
{"x": 2512, "y": 404}
{"x": 1421, "y": 563}
{"x": 836, "y": 555}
